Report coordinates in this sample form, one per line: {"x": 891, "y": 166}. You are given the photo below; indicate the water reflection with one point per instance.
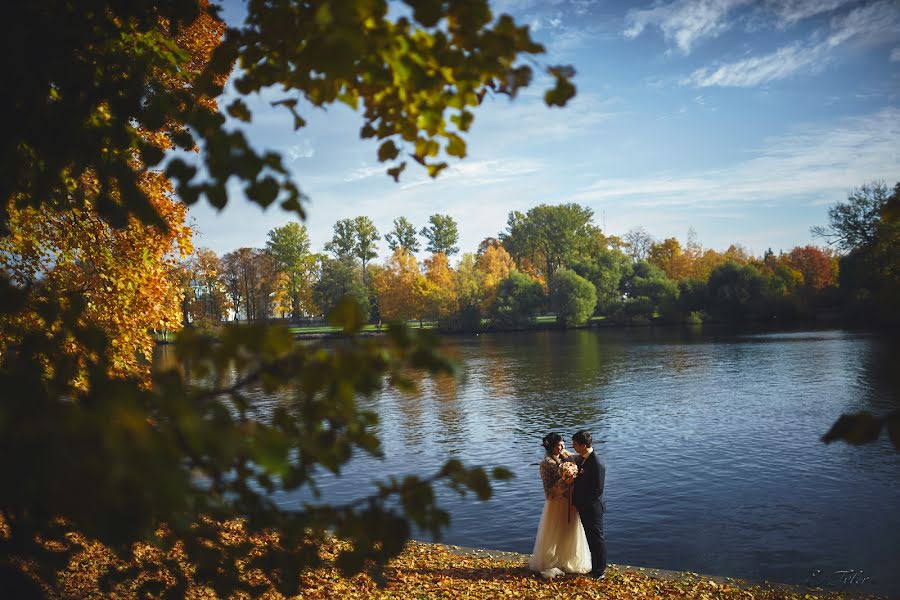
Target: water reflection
{"x": 711, "y": 440}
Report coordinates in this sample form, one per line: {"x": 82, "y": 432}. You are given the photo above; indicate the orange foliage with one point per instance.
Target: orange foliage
{"x": 122, "y": 274}
{"x": 819, "y": 267}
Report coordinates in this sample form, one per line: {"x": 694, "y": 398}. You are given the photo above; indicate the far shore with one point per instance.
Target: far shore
{"x": 543, "y": 323}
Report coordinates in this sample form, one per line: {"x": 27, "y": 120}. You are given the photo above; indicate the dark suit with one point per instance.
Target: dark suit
{"x": 587, "y": 496}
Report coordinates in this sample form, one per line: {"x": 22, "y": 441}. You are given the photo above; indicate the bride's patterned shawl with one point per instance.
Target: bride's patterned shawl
{"x": 554, "y": 487}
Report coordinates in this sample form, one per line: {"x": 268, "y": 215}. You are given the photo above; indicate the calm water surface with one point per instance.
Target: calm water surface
{"x": 711, "y": 443}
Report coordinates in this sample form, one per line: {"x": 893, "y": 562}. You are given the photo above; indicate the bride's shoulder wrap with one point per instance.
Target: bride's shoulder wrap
{"x": 550, "y": 477}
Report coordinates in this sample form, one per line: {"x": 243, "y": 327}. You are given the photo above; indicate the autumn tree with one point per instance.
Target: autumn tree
{"x": 441, "y": 234}
{"x": 670, "y": 258}
{"x": 289, "y": 248}
{"x": 208, "y": 302}
{"x": 251, "y": 279}
{"x": 401, "y": 288}
{"x": 818, "y": 267}
{"x": 403, "y": 235}
{"x": 113, "y": 87}
{"x": 441, "y": 301}
{"x": 493, "y": 266}
{"x": 121, "y": 275}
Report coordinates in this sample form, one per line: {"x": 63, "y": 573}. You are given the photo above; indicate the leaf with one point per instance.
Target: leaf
{"x": 859, "y": 428}
{"x": 238, "y": 109}
{"x": 387, "y": 151}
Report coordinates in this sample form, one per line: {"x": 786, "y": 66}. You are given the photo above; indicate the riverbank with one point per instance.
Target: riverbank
{"x": 438, "y": 571}
{"x": 425, "y": 570}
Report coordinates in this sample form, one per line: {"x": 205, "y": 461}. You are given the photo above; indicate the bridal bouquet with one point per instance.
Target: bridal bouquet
{"x": 568, "y": 472}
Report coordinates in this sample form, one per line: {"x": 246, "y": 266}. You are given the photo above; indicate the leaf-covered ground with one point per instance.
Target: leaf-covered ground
{"x": 422, "y": 571}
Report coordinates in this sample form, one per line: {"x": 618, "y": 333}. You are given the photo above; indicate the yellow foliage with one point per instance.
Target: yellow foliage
{"x": 493, "y": 266}
{"x": 401, "y": 288}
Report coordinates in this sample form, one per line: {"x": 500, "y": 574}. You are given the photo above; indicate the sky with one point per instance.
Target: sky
{"x": 742, "y": 119}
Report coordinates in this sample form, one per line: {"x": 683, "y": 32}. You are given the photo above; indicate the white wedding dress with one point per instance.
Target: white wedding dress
{"x": 560, "y": 546}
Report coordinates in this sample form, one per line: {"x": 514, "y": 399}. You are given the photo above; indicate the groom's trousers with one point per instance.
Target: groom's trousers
{"x": 592, "y": 521}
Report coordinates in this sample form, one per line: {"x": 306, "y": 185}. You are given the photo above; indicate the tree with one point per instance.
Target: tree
{"x": 442, "y": 235}
{"x": 638, "y": 242}
{"x": 574, "y": 298}
{"x": 670, "y": 258}
{"x": 519, "y": 298}
{"x": 818, "y": 267}
{"x": 605, "y": 270}
{"x": 343, "y": 242}
{"x": 548, "y": 235}
{"x": 401, "y": 288}
{"x": 736, "y": 292}
{"x": 339, "y": 279}
{"x": 441, "y": 302}
{"x": 647, "y": 291}
{"x": 493, "y": 266}
{"x": 853, "y": 225}
{"x": 251, "y": 280}
{"x": 207, "y": 299}
{"x": 122, "y": 275}
{"x": 110, "y": 90}
{"x": 366, "y": 236}
{"x": 289, "y": 248}
{"x": 403, "y": 235}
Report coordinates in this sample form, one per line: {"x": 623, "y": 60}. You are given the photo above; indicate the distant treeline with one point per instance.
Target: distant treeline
{"x": 555, "y": 260}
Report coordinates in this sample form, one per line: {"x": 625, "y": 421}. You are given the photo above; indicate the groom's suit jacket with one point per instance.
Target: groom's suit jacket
{"x": 588, "y": 488}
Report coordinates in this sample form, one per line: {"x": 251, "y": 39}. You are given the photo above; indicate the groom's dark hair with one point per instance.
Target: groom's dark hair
{"x": 583, "y": 438}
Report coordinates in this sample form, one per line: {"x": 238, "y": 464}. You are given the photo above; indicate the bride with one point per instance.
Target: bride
{"x": 560, "y": 546}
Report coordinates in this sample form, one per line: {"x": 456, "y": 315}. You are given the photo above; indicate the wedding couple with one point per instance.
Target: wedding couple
{"x": 570, "y": 536}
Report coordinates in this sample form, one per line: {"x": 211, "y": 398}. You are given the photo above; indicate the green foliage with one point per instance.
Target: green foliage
{"x": 442, "y": 235}
{"x": 549, "y": 236}
{"x": 289, "y": 247}
{"x": 736, "y": 292}
{"x": 519, "y": 298}
{"x": 853, "y": 225}
{"x": 337, "y": 280}
{"x": 647, "y": 291}
{"x": 606, "y": 269}
{"x": 403, "y": 235}
{"x": 343, "y": 242}
{"x": 574, "y": 298}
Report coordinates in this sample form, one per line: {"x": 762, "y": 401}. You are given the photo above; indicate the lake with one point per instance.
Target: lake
{"x": 710, "y": 439}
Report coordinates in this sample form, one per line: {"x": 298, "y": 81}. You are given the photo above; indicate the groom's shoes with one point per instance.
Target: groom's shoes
{"x": 598, "y": 577}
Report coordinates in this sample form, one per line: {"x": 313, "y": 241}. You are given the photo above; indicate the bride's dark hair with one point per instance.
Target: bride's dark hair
{"x": 550, "y": 441}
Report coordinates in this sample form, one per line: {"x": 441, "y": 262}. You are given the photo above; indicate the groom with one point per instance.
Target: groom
{"x": 587, "y": 496}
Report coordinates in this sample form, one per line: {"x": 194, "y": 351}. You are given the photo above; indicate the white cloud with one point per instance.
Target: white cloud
{"x": 814, "y": 160}
{"x": 684, "y": 21}
{"x": 895, "y": 54}
{"x": 867, "y": 24}
{"x": 755, "y": 70}
{"x": 480, "y": 172}
{"x": 366, "y": 171}
{"x": 302, "y": 150}
{"x": 790, "y": 12}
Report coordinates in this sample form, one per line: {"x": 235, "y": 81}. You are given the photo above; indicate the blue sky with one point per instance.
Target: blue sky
{"x": 743, "y": 119}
